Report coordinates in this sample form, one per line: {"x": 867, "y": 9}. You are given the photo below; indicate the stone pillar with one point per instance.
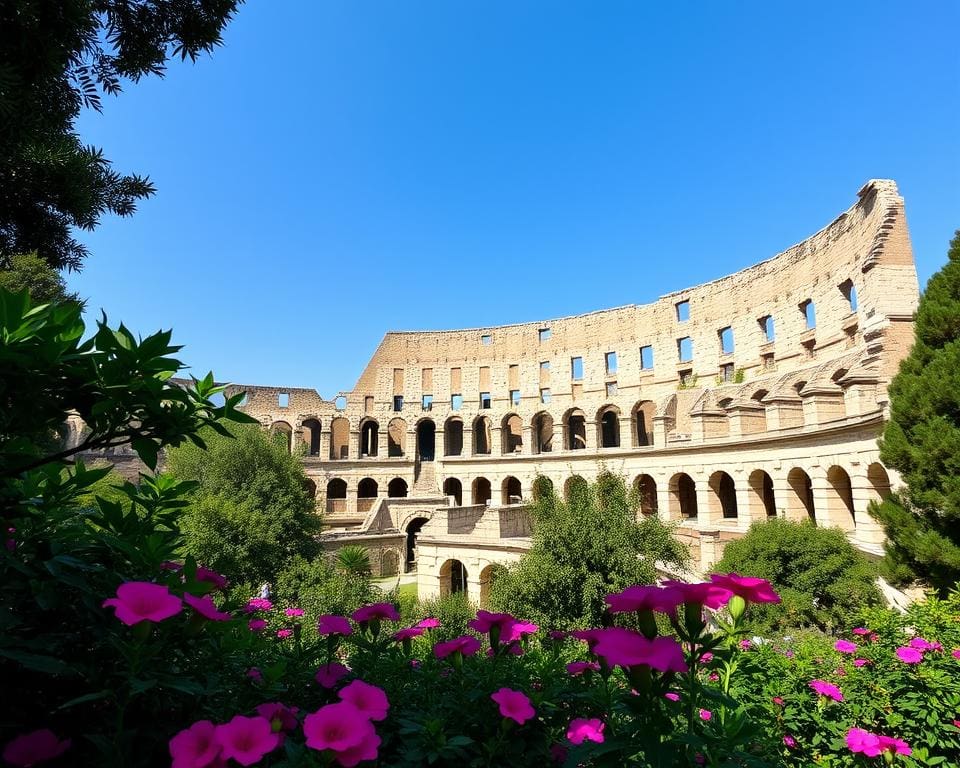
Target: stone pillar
{"x": 590, "y": 434}
{"x": 821, "y": 497}
{"x": 382, "y": 442}
{"x": 662, "y": 426}
{"x": 709, "y": 549}
{"x": 627, "y": 438}
{"x": 663, "y": 498}
{"x": 783, "y": 497}
{"x": 325, "y": 446}
{"x": 355, "y": 443}
{"x": 496, "y": 440}
{"x": 868, "y": 531}
{"x": 707, "y": 519}
{"x": 468, "y": 441}
{"x": 351, "y": 500}
{"x": 526, "y": 436}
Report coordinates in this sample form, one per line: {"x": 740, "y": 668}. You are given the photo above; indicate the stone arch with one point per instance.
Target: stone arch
{"x": 339, "y": 438}
{"x": 511, "y": 491}
{"x": 369, "y": 437}
{"x": 542, "y": 425}
{"x": 453, "y": 487}
{"x": 481, "y": 491}
{"x": 608, "y": 427}
{"x": 574, "y": 486}
{"x": 763, "y": 503}
{"x": 337, "y": 495}
{"x": 397, "y": 437}
{"x": 840, "y": 512}
{"x": 310, "y": 487}
{"x": 723, "y": 496}
{"x": 646, "y": 488}
{"x": 310, "y": 428}
{"x": 511, "y": 434}
{"x": 683, "y": 497}
{"x": 542, "y": 487}
{"x": 453, "y": 436}
{"x": 413, "y": 531}
{"x": 285, "y": 432}
{"x": 575, "y": 428}
{"x": 642, "y": 420}
{"x": 426, "y": 440}
{"x": 879, "y": 480}
{"x": 759, "y": 395}
{"x": 397, "y": 488}
{"x": 367, "y": 490}
{"x": 389, "y": 563}
{"x": 800, "y": 504}
{"x": 453, "y": 578}
{"x": 481, "y": 436}
{"x": 489, "y": 575}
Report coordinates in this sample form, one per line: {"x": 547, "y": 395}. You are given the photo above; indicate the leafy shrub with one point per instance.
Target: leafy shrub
{"x": 820, "y": 575}
{"x": 320, "y": 588}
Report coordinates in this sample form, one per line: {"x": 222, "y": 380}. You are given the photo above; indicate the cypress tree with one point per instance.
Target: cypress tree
{"x": 922, "y": 441}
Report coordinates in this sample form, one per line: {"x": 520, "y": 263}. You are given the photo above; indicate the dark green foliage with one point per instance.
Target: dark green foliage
{"x": 250, "y": 513}
{"x": 583, "y": 550}
{"x": 56, "y": 58}
{"x": 354, "y": 558}
{"x": 453, "y": 611}
{"x": 922, "y": 440}
{"x": 319, "y": 588}
{"x": 821, "y": 577}
{"x": 27, "y": 271}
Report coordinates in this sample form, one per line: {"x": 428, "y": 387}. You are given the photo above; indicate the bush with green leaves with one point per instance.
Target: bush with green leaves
{"x": 582, "y": 550}
{"x": 823, "y": 579}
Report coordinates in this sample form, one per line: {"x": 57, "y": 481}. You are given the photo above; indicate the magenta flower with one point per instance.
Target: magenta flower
{"x": 212, "y": 577}
{"x": 206, "y": 607}
{"x": 864, "y": 742}
{"x": 955, "y": 653}
{"x": 294, "y": 613}
{"x": 246, "y": 739}
{"x": 706, "y": 593}
{"x": 751, "y": 589}
{"x": 589, "y": 636}
{"x": 575, "y": 668}
{"x": 280, "y": 716}
{"x": 860, "y": 662}
{"x": 628, "y": 648}
{"x": 465, "y": 644}
{"x": 376, "y": 611}
{"x": 558, "y": 635}
{"x": 845, "y": 646}
{"x": 256, "y": 625}
{"x": 330, "y": 624}
{"x": 345, "y": 731}
{"x": 428, "y": 623}
{"x": 254, "y": 673}
{"x": 778, "y": 701}
{"x": 283, "y": 634}
{"x": 672, "y": 696}
{"x": 909, "y": 655}
{"x": 789, "y": 741}
{"x": 196, "y": 746}
{"x": 643, "y": 597}
{"x": 138, "y": 601}
{"x": 897, "y": 746}
{"x": 924, "y": 645}
{"x": 744, "y": 644}
{"x": 823, "y": 688}
{"x": 707, "y": 657}
{"x": 34, "y": 747}
{"x": 369, "y": 699}
{"x": 517, "y": 630}
{"x": 257, "y": 604}
{"x": 861, "y": 631}
{"x": 330, "y": 674}
{"x": 486, "y": 621}
{"x": 581, "y": 730}
{"x": 514, "y": 705}
{"x": 706, "y": 714}
{"x": 408, "y": 633}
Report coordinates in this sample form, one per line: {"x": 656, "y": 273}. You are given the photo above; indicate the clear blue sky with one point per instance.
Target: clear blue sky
{"x": 340, "y": 169}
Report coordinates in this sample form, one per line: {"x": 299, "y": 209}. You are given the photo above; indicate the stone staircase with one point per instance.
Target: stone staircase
{"x": 425, "y": 480}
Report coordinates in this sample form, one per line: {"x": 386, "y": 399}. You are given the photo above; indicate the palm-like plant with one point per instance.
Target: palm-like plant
{"x": 354, "y": 559}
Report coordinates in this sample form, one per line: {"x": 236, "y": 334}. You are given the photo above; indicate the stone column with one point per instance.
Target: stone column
{"x": 383, "y": 437}
{"x": 706, "y": 518}
{"x": 325, "y": 446}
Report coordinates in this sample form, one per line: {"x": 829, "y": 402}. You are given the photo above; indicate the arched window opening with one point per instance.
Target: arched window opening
{"x": 426, "y": 440}
{"x": 801, "y": 501}
{"x": 643, "y": 423}
{"x": 683, "y": 497}
{"x": 453, "y": 487}
{"x": 487, "y": 577}
{"x": 339, "y": 438}
{"x": 610, "y": 427}
{"x": 762, "y": 500}
{"x": 512, "y": 434}
{"x": 481, "y": 436}
{"x": 453, "y": 578}
{"x": 511, "y": 492}
{"x": 724, "y": 495}
{"x": 542, "y": 487}
{"x": 879, "y": 481}
{"x": 389, "y": 563}
{"x": 646, "y": 488}
{"x": 576, "y": 424}
{"x": 397, "y": 488}
{"x": 413, "y": 530}
{"x": 396, "y": 438}
{"x": 337, "y": 495}
{"x": 282, "y": 433}
{"x": 481, "y": 491}
{"x": 576, "y": 488}
{"x": 369, "y": 438}
{"x": 311, "y": 436}
{"x": 367, "y": 490}
{"x": 453, "y": 437}
{"x": 840, "y": 499}
{"x": 542, "y": 433}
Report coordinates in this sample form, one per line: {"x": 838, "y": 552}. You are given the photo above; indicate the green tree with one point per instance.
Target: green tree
{"x": 251, "y": 513}
{"x": 55, "y": 59}
{"x": 27, "y": 271}
{"x": 922, "y": 441}
{"x": 821, "y": 577}
{"x": 583, "y": 550}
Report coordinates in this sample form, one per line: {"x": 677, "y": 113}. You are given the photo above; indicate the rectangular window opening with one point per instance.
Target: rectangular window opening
{"x": 427, "y": 402}
{"x": 576, "y": 368}
{"x": 544, "y": 334}
{"x": 485, "y": 400}
{"x": 685, "y": 349}
{"x": 544, "y": 395}
{"x": 610, "y": 359}
{"x": 849, "y": 292}
{"x": 809, "y": 313}
{"x": 726, "y": 340}
{"x": 515, "y": 397}
{"x": 486, "y": 339}
{"x": 683, "y": 311}
{"x": 283, "y": 399}
{"x": 398, "y": 402}
{"x": 727, "y": 373}
{"x": 611, "y": 388}
{"x": 456, "y": 402}
{"x": 646, "y": 358}
{"x": 766, "y": 324}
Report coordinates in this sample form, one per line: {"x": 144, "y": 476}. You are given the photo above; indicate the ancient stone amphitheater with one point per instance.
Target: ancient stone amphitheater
{"x": 757, "y": 395}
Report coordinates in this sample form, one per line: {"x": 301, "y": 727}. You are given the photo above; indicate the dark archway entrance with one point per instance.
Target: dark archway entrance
{"x": 426, "y": 440}
{"x": 413, "y": 529}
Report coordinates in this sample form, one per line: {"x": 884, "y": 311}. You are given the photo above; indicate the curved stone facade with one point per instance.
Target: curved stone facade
{"x": 758, "y": 394}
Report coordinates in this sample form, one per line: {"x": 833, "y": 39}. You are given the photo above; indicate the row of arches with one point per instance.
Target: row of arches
{"x": 481, "y": 491}
{"x": 455, "y": 578}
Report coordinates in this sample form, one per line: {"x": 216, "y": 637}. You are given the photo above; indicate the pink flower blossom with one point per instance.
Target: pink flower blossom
{"x": 860, "y": 662}
{"x": 589, "y": 636}
{"x": 376, "y": 611}
{"x": 707, "y": 657}
{"x": 955, "y": 653}
{"x": 34, "y": 747}
{"x": 643, "y": 597}
{"x": 909, "y": 655}
{"x": 581, "y": 730}
{"x": 575, "y": 668}
{"x": 864, "y": 742}
{"x": 465, "y": 644}
{"x": 823, "y": 688}
{"x": 428, "y": 623}
{"x": 212, "y": 577}
{"x": 280, "y": 716}
{"x": 196, "y": 746}
{"x": 750, "y": 588}
{"x": 788, "y": 654}
{"x": 558, "y": 635}
{"x": 330, "y": 674}
{"x": 672, "y": 696}
{"x": 778, "y": 701}
{"x": 744, "y": 644}
{"x": 257, "y": 604}
{"x": 206, "y": 607}
{"x": 256, "y": 625}
{"x": 706, "y": 593}
{"x": 138, "y": 601}
{"x": 845, "y": 646}
{"x": 330, "y": 624}
{"x": 924, "y": 645}
{"x": 514, "y": 705}
{"x": 713, "y": 677}
{"x": 408, "y": 633}
{"x": 517, "y": 630}
{"x": 369, "y": 699}
{"x": 246, "y": 739}
{"x": 255, "y": 674}
{"x": 862, "y": 631}
{"x": 789, "y": 741}
{"x": 485, "y": 621}
{"x": 283, "y": 634}
{"x": 628, "y": 648}
{"x": 513, "y": 649}
{"x": 897, "y": 746}
{"x": 706, "y": 714}
{"x": 294, "y": 613}
{"x": 345, "y": 731}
